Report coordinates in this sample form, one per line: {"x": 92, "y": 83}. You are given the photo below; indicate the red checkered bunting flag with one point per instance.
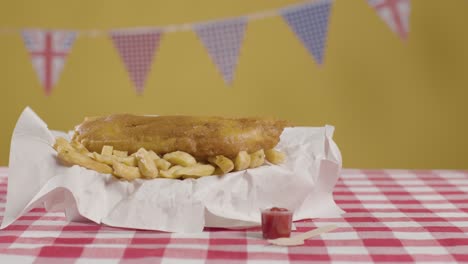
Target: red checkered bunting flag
{"x": 395, "y": 13}
{"x": 223, "y": 41}
{"x": 137, "y": 51}
{"x": 310, "y": 23}
{"x": 48, "y": 51}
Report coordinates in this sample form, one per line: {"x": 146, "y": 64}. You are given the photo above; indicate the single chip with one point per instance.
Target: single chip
{"x": 120, "y": 153}
{"x": 79, "y": 147}
{"x": 162, "y": 164}
{"x": 180, "y": 158}
{"x": 170, "y": 174}
{"x": 242, "y": 161}
{"x": 275, "y": 156}
{"x": 130, "y": 161}
{"x": 107, "y": 159}
{"x": 71, "y": 157}
{"x": 196, "y": 171}
{"x": 257, "y": 159}
{"x": 107, "y": 150}
{"x": 226, "y": 165}
{"x": 62, "y": 143}
{"x": 146, "y": 164}
{"x": 153, "y": 155}
{"x": 125, "y": 172}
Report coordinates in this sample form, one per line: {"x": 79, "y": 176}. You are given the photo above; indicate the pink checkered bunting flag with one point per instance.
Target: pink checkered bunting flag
{"x": 223, "y": 40}
{"x": 310, "y": 23}
{"x": 137, "y": 51}
{"x": 395, "y": 13}
{"x": 48, "y": 51}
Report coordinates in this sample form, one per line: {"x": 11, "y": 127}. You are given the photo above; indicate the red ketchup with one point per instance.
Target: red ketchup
{"x": 276, "y": 222}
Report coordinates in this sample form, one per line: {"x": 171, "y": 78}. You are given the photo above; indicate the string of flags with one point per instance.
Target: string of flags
{"x": 222, "y": 39}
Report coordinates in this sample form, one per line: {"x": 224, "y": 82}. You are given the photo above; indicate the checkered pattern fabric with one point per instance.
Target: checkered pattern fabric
{"x": 395, "y": 13}
{"x": 137, "y": 51}
{"x": 223, "y": 41}
{"x": 393, "y": 216}
{"x": 310, "y": 23}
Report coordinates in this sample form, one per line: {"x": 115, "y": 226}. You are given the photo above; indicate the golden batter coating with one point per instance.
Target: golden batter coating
{"x": 202, "y": 137}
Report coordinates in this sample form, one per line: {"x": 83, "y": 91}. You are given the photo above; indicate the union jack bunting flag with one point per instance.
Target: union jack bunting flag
{"x": 48, "y": 51}
{"x": 395, "y": 13}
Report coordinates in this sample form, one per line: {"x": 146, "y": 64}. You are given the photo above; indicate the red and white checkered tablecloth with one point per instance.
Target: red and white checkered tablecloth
{"x": 392, "y": 216}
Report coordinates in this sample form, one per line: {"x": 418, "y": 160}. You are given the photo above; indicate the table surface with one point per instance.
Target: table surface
{"x": 392, "y": 216}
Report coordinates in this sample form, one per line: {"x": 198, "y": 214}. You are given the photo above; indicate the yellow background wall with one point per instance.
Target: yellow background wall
{"x": 394, "y": 104}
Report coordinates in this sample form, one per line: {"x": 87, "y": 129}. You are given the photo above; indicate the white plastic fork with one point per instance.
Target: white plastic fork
{"x": 299, "y": 239}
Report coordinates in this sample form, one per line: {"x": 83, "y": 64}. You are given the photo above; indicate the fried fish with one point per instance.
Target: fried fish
{"x": 202, "y": 137}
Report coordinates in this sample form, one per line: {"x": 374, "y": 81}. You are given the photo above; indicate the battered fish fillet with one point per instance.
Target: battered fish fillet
{"x": 202, "y": 137}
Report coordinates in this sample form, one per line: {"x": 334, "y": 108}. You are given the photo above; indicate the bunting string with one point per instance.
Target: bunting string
{"x": 222, "y": 39}
{"x": 168, "y": 28}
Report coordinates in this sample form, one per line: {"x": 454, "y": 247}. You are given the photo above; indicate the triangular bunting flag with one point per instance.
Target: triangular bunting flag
{"x": 395, "y": 13}
{"x": 310, "y": 23}
{"x": 137, "y": 51}
{"x": 223, "y": 41}
{"x": 48, "y": 51}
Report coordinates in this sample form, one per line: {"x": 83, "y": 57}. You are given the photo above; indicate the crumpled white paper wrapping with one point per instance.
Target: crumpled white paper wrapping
{"x": 303, "y": 183}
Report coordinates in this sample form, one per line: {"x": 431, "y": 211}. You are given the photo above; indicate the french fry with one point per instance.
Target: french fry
{"x": 162, "y": 164}
{"x": 129, "y": 161}
{"x": 120, "y": 153}
{"x": 171, "y": 173}
{"x": 275, "y": 156}
{"x": 180, "y": 158}
{"x": 71, "y": 157}
{"x": 126, "y": 172}
{"x": 153, "y": 155}
{"x": 257, "y": 159}
{"x": 242, "y": 161}
{"x": 146, "y": 164}
{"x": 62, "y": 143}
{"x": 106, "y": 159}
{"x": 79, "y": 147}
{"x": 196, "y": 171}
{"x": 107, "y": 150}
{"x": 226, "y": 165}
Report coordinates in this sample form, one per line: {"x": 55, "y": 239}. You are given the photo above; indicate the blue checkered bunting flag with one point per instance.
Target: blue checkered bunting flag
{"x": 310, "y": 23}
{"x": 223, "y": 40}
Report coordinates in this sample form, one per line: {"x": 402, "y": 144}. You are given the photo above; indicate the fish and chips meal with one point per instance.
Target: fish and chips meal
{"x": 174, "y": 147}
